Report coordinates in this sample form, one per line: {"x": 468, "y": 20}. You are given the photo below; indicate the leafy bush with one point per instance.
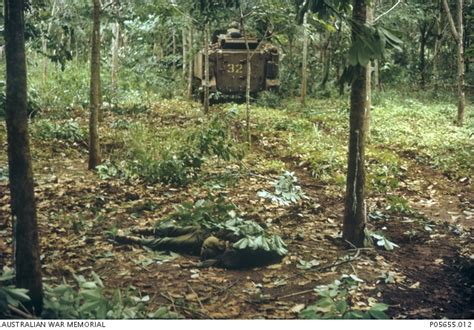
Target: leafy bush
{"x": 425, "y": 131}
{"x": 33, "y": 107}
{"x": 333, "y": 303}
{"x": 379, "y": 240}
{"x": 91, "y": 301}
{"x": 295, "y": 125}
{"x": 286, "y": 190}
{"x": 10, "y": 296}
{"x": 269, "y": 99}
{"x": 68, "y": 88}
{"x": 69, "y": 131}
{"x": 398, "y": 204}
{"x": 179, "y": 159}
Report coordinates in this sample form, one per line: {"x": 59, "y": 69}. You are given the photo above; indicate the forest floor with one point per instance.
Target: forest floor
{"x": 427, "y": 211}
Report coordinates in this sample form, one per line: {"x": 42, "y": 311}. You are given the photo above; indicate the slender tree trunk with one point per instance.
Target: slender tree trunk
{"x": 368, "y": 80}
{"x": 437, "y": 48}
{"x": 304, "y": 73}
{"x": 206, "y": 69}
{"x": 174, "y": 50}
{"x": 460, "y": 53}
{"x": 247, "y": 95}
{"x": 377, "y": 84}
{"x": 458, "y": 35}
{"x": 326, "y": 61}
{"x": 45, "y": 59}
{"x": 185, "y": 51}
{"x": 355, "y": 206}
{"x": 249, "y": 79}
{"x": 191, "y": 63}
{"x": 26, "y": 243}
{"x": 45, "y": 45}
{"x": 423, "y": 39}
{"x": 115, "y": 57}
{"x": 338, "y": 63}
{"x": 94, "y": 146}
{"x": 291, "y": 67}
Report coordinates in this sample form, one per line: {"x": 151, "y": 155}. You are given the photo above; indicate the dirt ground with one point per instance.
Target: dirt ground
{"x": 433, "y": 268}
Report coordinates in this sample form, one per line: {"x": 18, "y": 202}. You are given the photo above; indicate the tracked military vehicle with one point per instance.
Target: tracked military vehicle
{"x": 228, "y": 65}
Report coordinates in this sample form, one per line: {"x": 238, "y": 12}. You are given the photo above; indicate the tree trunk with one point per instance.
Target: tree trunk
{"x": 368, "y": 81}
{"x": 437, "y": 48}
{"x": 115, "y": 57}
{"x": 174, "y": 50}
{"x": 339, "y": 63}
{"x": 94, "y": 146}
{"x": 191, "y": 63}
{"x": 26, "y": 243}
{"x": 460, "y": 53}
{"x": 185, "y": 51}
{"x": 45, "y": 46}
{"x": 458, "y": 35}
{"x": 206, "y": 69}
{"x": 45, "y": 59}
{"x": 304, "y": 71}
{"x": 423, "y": 40}
{"x": 355, "y": 207}
{"x": 291, "y": 67}
{"x": 377, "y": 84}
{"x": 326, "y": 61}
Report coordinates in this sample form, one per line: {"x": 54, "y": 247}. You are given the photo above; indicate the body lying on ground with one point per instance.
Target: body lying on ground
{"x": 223, "y": 247}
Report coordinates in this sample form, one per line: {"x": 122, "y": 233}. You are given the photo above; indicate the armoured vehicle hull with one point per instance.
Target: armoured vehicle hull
{"x": 228, "y": 66}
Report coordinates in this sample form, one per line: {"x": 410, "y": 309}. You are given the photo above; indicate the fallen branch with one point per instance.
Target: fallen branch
{"x": 296, "y": 294}
{"x": 335, "y": 264}
{"x": 225, "y": 289}
{"x": 197, "y": 297}
{"x": 184, "y": 308}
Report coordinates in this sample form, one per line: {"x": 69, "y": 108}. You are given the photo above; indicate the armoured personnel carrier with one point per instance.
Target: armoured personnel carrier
{"x": 228, "y": 65}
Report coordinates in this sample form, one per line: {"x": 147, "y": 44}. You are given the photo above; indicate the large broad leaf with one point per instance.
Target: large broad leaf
{"x": 308, "y": 314}
{"x": 7, "y": 275}
{"x": 354, "y": 315}
{"x": 15, "y": 295}
{"x": 325, "y": 305}
{"x": 341, "y": 306}
{"x": 377, "y": 315}
{"x": 379, "y": 307}
{"x": 392, "y": 40}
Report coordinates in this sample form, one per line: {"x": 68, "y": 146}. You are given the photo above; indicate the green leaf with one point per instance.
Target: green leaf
{"x": 377, "y": 315}
{"x": 97, "y": 280}
{"x": 308, "y": 314}
{"x": 17, "y": 294}
{"x": 352, "y": 55}
{"x": 354, "y": 315}
{"x": 325, "y": 305}
{"x": 379, "y": 307}
{"x": 341, "y": 306}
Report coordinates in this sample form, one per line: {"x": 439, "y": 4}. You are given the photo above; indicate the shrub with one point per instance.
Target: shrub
{"x": 91, "y": 301}
{"x": 69, "y": 131}
{"x": 334, "y": 302}
{"x": 178, "y": 159}
{"x": 269, "y": 99}
{"x": 286, "y": 190}
{"x": 33, "y": 106}
{"x": 10, "y": 296}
